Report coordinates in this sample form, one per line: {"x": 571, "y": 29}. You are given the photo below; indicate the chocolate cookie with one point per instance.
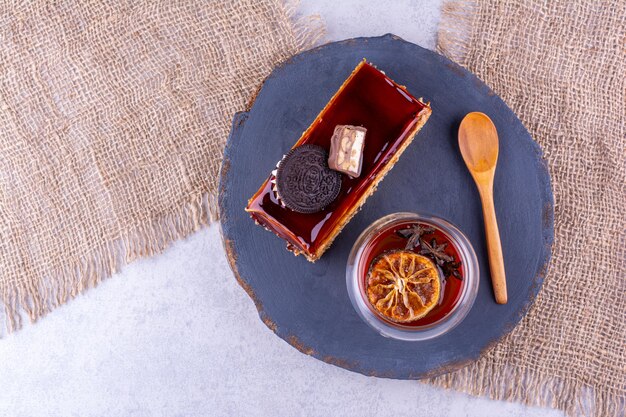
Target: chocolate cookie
{"x": 304, "y": 181}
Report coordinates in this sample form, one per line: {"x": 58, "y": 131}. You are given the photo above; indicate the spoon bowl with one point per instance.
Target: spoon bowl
{"x": 478, "y": 140}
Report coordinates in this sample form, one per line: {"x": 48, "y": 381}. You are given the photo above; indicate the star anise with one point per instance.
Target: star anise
{"x": 435, "y": 251}
{"x": 414, "y": 234}
{"x": 451, "y": 269}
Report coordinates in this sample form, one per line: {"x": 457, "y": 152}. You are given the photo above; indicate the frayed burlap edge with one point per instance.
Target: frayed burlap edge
{"x": 35, "y": 299}
{"x": 532, "y": 388}
{"x": 67, "y": 282}
{"x": 454, "y": 34}
{"x": 485, "y": 378}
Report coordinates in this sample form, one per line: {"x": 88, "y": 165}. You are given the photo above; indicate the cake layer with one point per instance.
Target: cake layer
{"x": 391, "y": 115}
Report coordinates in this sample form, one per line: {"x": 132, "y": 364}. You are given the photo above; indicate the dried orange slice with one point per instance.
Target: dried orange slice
{"x": 403, "y": 286}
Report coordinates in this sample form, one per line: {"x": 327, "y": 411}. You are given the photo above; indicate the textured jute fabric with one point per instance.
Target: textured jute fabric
{"x": 560, "y": 65}
{"x": 113, "y": 117}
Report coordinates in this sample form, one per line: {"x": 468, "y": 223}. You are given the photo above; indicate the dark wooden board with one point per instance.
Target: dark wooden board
{"x": 307, "y": 304}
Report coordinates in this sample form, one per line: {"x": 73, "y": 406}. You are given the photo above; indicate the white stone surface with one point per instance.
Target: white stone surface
{"x": 414, "y": 20}
{"x": 176, "y": 336}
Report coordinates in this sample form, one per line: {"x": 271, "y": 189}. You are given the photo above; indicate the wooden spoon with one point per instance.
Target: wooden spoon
{"x": 478, "y": 140}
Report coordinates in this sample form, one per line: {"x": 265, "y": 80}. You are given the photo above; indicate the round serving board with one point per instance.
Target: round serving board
{"x": 306, "y": 303}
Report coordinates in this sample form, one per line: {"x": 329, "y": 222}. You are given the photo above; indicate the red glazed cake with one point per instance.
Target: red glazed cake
{"x": 390, "y": 116}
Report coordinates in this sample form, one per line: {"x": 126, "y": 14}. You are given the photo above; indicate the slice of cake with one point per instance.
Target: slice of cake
{"x": 364, "y": 129}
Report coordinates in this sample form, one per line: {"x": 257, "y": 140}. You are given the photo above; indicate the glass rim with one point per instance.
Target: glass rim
{"x": 357, "y": 295}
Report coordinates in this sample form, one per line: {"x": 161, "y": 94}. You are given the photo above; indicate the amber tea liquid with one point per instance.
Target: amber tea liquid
{"x": 389, "y": 240}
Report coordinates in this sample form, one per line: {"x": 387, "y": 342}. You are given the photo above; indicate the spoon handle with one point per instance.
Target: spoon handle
{"x": 494, "y": 247}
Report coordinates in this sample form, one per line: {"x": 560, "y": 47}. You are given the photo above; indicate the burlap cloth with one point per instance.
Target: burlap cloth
{"x": 113, "y": 117}
{"x": 560, "y": 65}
